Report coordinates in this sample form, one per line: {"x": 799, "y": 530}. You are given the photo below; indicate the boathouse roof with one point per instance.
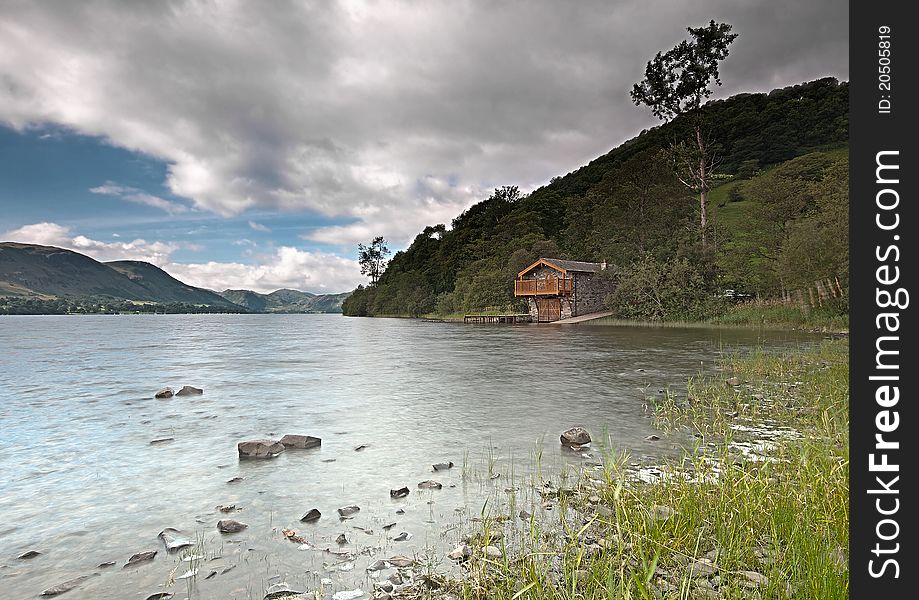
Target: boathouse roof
{"x": 565, "y": 266}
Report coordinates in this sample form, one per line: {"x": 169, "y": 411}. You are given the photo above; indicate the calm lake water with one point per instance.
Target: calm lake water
{"x": 81, "y": 483}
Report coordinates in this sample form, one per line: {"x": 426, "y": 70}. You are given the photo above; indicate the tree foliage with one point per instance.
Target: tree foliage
{"x": 627, "y": 207}
{"x": 372, "y": 258}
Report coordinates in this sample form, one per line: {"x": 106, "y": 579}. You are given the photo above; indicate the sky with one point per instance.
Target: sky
{"x": 253, "y": 145}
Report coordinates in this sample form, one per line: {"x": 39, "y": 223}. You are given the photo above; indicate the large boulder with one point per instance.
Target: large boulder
{"x": 259, "y": 449}
{"x": 576, "y": 436}
{"x": 300, "y": 441}
{"x": 188, "y": 390}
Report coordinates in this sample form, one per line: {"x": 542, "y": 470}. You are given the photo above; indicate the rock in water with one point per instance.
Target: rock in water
{"x": 400, "y": 561}
{"x": 576, "y": 436}
{"x": 230, "y": 526}
{"x": 160, "y": 596}
{"x": 400, "y": 493}
{"x": 29, "y": 554}
{"x": 188, "y": 390}
{"x": 312, "y": 515}
{"x": 301, "y": 442}
{"x": 652, "y": 438}
{"x": 280, "y": 590}
{"x": 173, "y": 540}
{"x": 140, "y": 557}
{"x": 348, "y": 594}
{"x": 259, "y": 449}
{"x": 341, "y": 539}
{"x": 347, "y": 511}
{"x": 430, "y": 485}
{"x": 164, "y": 393}
{"x": 377, "y": 566}
{"x": 443, "y": 466}
{"x": 66, "y": 586}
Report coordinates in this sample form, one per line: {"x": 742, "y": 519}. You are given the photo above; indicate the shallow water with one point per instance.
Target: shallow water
{"x": 81, "y": 483}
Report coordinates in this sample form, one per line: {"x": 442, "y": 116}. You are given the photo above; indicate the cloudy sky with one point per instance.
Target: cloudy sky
{"x": 253, "y": 144}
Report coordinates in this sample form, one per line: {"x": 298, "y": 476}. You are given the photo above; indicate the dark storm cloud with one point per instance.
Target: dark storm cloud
{"x": 395, "y": 114}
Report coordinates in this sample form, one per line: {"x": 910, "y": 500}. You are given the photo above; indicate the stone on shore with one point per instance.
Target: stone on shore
{"x": 492, "y": 552}
{"x": 140, "y": 557}
{"x": 402, "y": 492}
{"x": 349, "y": 511}
{"x": 400, "y": 561}
{"x": 66, "y": 586}
{"x": 188, "y": 390}
{"x": 301, "y": 442}
{"x": 312, "y": 515}
{"x": 230, "y": 526}
{"x": 460, "y": 553}
{"x": 259, "y": 449}
{"x": 576, "y": 436}
{"x": 173, "y": 540}
{"x": 164, "y": 393}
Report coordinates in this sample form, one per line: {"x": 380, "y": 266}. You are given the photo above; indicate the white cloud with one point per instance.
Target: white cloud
{"x": 110, "y": 188}
{"x": 259, "y": 227}
{"x": 52, "y": 234}
{"x": 288, "y": 267}
{"x": 340, "y": 108}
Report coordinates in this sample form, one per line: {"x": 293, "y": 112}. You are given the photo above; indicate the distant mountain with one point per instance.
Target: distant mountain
{"x": 46, "y": 271}
{"x": 286, "y": 301}
{"x": 164, "y": 287}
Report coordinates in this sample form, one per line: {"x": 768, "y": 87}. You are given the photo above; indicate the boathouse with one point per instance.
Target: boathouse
{"x": 558, "y": 289}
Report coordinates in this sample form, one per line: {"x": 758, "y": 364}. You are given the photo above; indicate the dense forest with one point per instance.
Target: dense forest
{"x": 779, "y": 219}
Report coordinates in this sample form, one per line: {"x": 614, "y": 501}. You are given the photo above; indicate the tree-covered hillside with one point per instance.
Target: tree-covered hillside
{"x": 776, "y": 222}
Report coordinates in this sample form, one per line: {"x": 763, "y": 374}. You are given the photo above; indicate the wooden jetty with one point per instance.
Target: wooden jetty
{"x": 496, "y": 319}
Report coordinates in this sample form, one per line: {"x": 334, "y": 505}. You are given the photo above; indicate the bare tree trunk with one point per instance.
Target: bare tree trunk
{"x": 703, "y": 183}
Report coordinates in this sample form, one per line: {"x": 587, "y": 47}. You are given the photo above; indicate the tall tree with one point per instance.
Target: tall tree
{"x": 372, "y": 258}
{"x": 676, "y": 83}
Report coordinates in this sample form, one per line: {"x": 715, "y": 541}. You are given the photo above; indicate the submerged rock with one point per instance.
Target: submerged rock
{"x": 400, "y": 493}
{"x": 348, "y": 594}
{"x": 400, "y": 561}
{"x": 430, "y": 485}
{"x": 164, "y": 393}
{"x": 300, "y": 442}
{"x": 280, "y": 590}
{"x": 259, "y": 449}
{"x": 173, "y": 540}
{"x": 188, "y": 390}
{"x": 576, "y": 436}
{"x": 378, "y": 565}
{"x": 348, "y": 511}
{"x": 312, "y": 515}
{"x": 230, "y": 526}
{"x": 65, "y": 586}
{"x": 140, "y": 557}
{"x": 443, "y": 466}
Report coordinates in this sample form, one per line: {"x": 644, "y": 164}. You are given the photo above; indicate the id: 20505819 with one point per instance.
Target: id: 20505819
{"x": 884, "y": 81}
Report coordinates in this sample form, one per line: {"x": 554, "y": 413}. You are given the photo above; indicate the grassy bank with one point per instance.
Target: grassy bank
{"x": 758, "y": 510}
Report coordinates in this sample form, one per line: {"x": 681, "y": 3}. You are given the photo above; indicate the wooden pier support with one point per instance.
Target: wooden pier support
{"x": 497, "y": 319}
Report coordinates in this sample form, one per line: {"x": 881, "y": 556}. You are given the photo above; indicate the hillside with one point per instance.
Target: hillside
{"x": 164, "y": 287}
{"x": 46, "y": 271}
{"x": 286, "y": 301}
{"x": 628, "y": 208}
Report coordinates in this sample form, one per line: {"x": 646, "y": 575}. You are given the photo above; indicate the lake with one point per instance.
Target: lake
{"x": 81, "y": 483}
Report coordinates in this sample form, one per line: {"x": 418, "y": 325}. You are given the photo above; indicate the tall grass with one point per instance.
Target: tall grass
{"x": 717, "y": 523}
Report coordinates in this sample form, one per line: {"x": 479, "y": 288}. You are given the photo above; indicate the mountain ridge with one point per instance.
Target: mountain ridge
{"x": 39, "y": 272}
